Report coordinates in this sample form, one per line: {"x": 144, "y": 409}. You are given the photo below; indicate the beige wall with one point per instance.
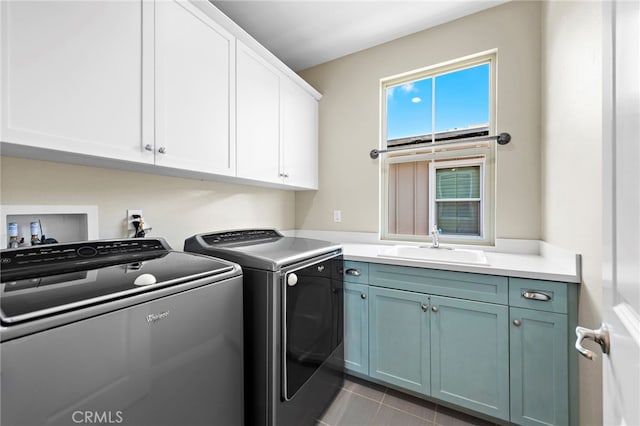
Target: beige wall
{"x": 349, "y": 118}
{"x": 176, "y": 208}
{"x": 572, "y": 161}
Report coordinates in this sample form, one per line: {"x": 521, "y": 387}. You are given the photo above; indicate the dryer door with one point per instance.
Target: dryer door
{"x": 312, "y": 326}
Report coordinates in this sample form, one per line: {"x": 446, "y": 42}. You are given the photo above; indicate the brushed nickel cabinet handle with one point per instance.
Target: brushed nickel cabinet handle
{"x": 354, "y": 272}
{"x": 536, "y": 295}
{"x": 363, "y": 296}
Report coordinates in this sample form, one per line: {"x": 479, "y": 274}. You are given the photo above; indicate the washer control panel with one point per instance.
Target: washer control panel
{"x": 53, "y": 255}
{"x": 241, "y": 236}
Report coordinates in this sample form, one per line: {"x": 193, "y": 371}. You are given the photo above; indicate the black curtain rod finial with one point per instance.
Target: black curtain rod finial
{"x": 503, "y": 138}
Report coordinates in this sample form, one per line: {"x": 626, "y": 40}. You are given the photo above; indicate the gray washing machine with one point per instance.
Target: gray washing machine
{"x": 122, "y": 332}
{"x": 293, "y": 312}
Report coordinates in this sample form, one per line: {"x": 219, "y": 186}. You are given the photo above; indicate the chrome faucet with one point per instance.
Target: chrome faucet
{"x": 435, "y": 236}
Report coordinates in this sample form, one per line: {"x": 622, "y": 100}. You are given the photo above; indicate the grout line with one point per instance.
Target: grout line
{"x": 379, "y": 405}
{"x": 365, "y": 396}
{"x": 433, "y": 420}
{"x": 411, "y": 414}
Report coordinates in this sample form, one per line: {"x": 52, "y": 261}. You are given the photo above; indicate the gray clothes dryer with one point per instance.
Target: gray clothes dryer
{"x": 293, "y": 321}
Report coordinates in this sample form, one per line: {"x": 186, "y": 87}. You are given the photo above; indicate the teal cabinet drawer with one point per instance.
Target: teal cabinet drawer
{"x": 356, "y": 272}
{"x": 464, "y": 285}
{"x": 550, "y": 296}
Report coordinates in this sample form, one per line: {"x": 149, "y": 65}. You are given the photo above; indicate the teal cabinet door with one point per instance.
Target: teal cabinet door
{"x": 399, "y": 338}
{"x": 470, "y": 355}
{"x": 539, "y": 367}
{"x": 356, "y": 327}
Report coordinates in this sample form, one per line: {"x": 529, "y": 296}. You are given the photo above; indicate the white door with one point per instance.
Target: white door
{"x": 621, "y": 171}
{"x": 194, "y": 90}
{"x": 72, "y": 76}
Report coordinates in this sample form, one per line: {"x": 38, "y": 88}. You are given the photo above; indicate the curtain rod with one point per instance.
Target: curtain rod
{"x": 502, "y": 139}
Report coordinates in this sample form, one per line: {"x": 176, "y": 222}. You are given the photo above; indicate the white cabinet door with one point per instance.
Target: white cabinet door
{"x": 299, "y": 115}
{"x": 194, "y": 98}
{"x": 72, "y": 77}
{"x": 258, "y": 118}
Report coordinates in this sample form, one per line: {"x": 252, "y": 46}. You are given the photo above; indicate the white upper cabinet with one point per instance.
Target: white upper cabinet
{"x": 257, "y": 118}
{"x": 277, "y": 125}
{"x": 167, "y": 86}
{"x": 72, "y": 77}
{"x": 195, "y": 75}
{"x": 299, "y": 136}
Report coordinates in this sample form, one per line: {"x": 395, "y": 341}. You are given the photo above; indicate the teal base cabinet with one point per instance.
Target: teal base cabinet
{"x": 539, "y": 374}
{"x": 470, "y": 355}
{"x": 356, "y": 317}
{"x": 540, "y": 345}
{"x": 356, "y": 328}
{"x": 399, "y": 350}
{"x": 497, "y": 346}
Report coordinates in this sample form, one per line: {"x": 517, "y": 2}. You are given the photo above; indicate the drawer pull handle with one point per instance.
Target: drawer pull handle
{"x": 536, "y": 295}
{"x": 517, "y": 323}
{"x": 354, "y": 272}
{"x": 363, "y": 296}
{"x": 424, "y": 307}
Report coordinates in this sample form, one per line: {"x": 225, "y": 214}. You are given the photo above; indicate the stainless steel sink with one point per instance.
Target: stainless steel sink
{"x": 429, "y": 254}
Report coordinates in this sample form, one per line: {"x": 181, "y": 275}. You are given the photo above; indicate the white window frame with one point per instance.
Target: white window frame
{"x": 488, "y": 167}
{"x": 435, "y": 165}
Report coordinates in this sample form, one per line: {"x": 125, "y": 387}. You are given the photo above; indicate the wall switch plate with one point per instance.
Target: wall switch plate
{"x": 337, "y": 216}
{"x": 130, "y": 213}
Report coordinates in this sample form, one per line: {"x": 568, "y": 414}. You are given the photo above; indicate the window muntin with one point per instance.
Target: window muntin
{"x": 410, "y": 199}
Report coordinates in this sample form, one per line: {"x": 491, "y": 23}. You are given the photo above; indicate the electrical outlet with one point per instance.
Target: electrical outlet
{"x": 130, "y": 213}
{"x": 337, "y": 216}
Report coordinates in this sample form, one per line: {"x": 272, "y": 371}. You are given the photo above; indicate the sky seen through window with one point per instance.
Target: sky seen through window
{"x": 460, "y": 98}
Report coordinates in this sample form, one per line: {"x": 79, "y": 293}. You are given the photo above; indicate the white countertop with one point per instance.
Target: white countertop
{"x": 524, "y": 259}
{"x": 513, "y": 265}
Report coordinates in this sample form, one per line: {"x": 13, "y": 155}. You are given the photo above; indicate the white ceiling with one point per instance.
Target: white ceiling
{"x": 305, "y": 33}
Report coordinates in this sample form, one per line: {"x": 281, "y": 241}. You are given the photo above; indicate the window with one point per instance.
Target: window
{"x": 434, "y": 181}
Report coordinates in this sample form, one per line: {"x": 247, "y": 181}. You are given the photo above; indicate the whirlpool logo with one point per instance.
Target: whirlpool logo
{"x": 97, "y": 417}
{"x": 154, "y": 318}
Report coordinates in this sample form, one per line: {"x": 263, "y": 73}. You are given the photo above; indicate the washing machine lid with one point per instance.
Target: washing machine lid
{"x": 265, "y": 249}
{"x": 44, "y": 280}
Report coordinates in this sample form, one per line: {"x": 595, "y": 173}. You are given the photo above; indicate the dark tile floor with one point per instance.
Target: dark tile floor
{"x": 362, "y": 403}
